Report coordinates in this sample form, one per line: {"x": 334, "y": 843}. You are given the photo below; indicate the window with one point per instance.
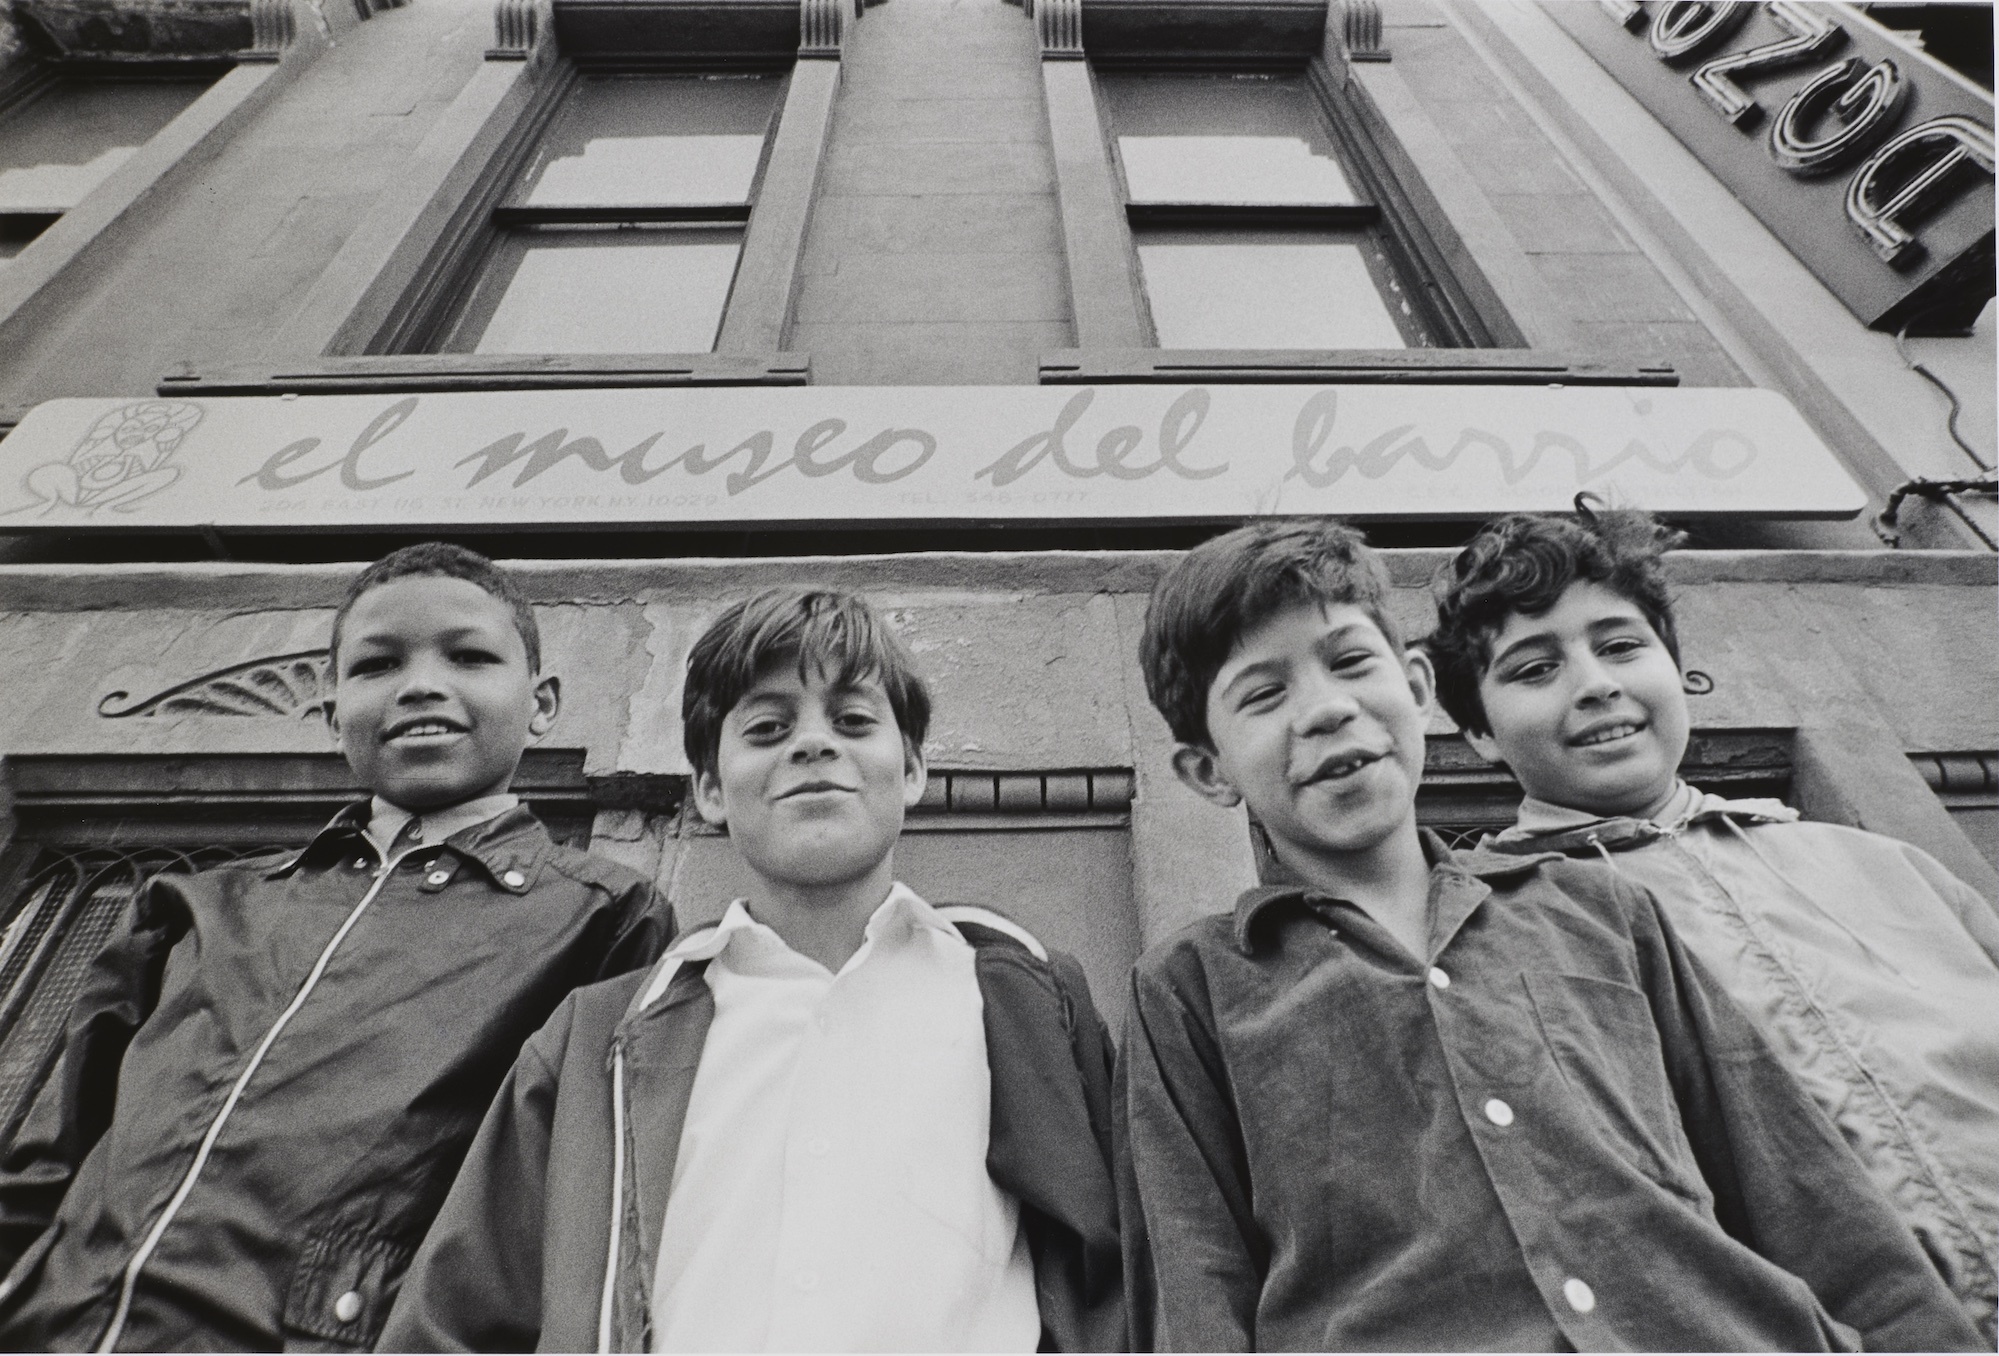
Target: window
{"x": 1251, "y": 229}
{"x": 623, "y": 231}
{"x": 66, "y": 137}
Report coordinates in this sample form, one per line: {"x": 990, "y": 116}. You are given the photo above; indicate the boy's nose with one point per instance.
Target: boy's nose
{"x": 1324, "y": 707}
{"x": 1596, "y": 682}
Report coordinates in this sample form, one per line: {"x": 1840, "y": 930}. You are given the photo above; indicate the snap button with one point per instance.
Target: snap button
{"x": 1580, "y": 1297}
{"x": 360, "y": 863}
{"x": 437, "y": 878}
{"x": 1438, "y": 979}
{"x": 1499, "y": 1113}
{"x": 514, "y": 880}
{"x": 348, "y": 1307}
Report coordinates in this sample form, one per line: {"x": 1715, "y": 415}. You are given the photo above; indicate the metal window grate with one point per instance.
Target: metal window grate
{"x": 73, "y": 900}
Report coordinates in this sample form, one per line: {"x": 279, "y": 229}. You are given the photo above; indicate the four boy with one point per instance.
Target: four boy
{"x": 1399, "y": 1098}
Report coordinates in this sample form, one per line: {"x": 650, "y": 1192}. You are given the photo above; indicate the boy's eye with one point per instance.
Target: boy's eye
{"x": 1528, "y": 671}
{"x": 856, "y": 722}
{"x": 1263, "y": 694}
{"x": 1349, "y": 660}
{"x": 764, "y": 729}
{"x": 1619, "y": 647}
{"x": 369, "y": 664}
{"x": 474, "y": 657}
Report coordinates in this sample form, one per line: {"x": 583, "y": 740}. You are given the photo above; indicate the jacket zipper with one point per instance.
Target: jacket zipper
{"x": 152, "y": 1240}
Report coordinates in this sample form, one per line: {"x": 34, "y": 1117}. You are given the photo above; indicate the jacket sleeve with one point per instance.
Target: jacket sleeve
{"x": 1979, "y": 916}
{"x": 1785, "y": 1183}
{"x": 73, "y": 1110}
{"x": 476, "y": 1282}
{"x": 1194, "y": 1258}
{"x": 644, "y": 929}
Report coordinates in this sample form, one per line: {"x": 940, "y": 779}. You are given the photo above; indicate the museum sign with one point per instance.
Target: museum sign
{"x": 1873, "y": 163}
{"x": 721, "y": 456}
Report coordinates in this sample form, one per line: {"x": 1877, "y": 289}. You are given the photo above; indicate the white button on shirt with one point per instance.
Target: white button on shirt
{"x": 831, "y": 1191}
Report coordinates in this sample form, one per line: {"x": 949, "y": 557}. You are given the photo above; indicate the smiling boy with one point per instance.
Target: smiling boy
{"x": 1409, "y": 1100}
{"x": 274, "y": 1069}
{"x": 841, "y": 1119}
{"x": 1871, "y": 969}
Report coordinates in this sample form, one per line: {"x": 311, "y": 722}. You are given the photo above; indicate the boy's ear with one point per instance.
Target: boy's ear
{"x": 708, "y": 798}
{"x": 547, "y": 705}
{"x": 1422, "y": 678}
{"x": 1486, "y": 747}
{"x": 1200, "y": 770}
{"x": 915, "y": 774}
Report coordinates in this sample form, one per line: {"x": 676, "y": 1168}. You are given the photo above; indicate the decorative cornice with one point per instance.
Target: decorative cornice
{"x": 1360, "y": 30}
{"x": 290, "y": 685}
{"x": 821, "y": 28}
{"x": 1060, "y": 25}
{"x": 515, "y": 26}
{"x": 272, "y": 29}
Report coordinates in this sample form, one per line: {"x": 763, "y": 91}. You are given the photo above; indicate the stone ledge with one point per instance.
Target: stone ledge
{"x": 238, "y": 587}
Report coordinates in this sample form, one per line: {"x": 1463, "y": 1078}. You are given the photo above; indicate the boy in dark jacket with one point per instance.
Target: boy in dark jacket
{"x": 842, "y": 1119}
{"x": 1404, "y": 1099}
{"x": 272, "y": 1073}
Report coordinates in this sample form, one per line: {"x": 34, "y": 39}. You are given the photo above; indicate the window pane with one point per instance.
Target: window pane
{"x": 69, "y": 138}
{"x": 623, "y": 141}
{"x": 1223, "y": 139}
{"x": 608, "y": 291}
{"x": 1280, "y": 291}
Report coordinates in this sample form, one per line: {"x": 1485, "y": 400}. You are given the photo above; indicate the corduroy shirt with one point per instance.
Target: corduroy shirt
{"x": 1550, "y": 1132}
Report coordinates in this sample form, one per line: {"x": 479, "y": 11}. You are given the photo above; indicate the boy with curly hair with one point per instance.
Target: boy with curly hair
{"x": 1870, "y": 968}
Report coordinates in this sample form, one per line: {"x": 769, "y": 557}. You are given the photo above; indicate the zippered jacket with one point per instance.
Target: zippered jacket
{"x": 1872, "y": 970}
{"x": 272, "y": 1073}
{"x": 551, "y": 1233}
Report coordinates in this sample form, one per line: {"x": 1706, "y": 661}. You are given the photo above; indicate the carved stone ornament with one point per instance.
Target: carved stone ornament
{"x": 821, "y": 25}
{"x": 288, "y": 685}
{"x": 272, "y": 28}
{"x": 1360, "y": 30}
{"x": 1060, "y": 25}
{"x": 516, "y": 23}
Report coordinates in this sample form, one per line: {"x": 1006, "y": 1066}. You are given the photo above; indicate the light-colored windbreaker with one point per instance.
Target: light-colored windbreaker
{"x": 1873, "y": 970}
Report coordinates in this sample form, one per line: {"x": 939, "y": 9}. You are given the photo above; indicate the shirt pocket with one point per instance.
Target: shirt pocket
{"x": 1606, "y": 1047}
{"x": 341, "y": 1290}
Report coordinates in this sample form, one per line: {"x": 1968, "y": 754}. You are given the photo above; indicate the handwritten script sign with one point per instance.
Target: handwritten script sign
{"x": 719, "y": 456}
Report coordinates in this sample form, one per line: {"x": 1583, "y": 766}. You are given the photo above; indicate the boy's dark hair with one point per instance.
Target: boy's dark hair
{"x": 835, "y": 634}
{"x": 451, "y": 562}
{"x": 1523, "y": 563}
{"x": 1228, "y": 586}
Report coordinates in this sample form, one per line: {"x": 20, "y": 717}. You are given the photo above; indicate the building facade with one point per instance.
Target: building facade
{"x": 982, "y": 310}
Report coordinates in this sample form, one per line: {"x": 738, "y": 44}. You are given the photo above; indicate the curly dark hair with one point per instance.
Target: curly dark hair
{"x": 1228, "y": 586}
{"x": 443, "y": 559}
{"x": 1523, "y": 563}
{"x": 823, "y": 631}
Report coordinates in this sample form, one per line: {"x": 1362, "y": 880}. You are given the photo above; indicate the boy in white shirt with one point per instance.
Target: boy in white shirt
{"x": 841, "y": 1118}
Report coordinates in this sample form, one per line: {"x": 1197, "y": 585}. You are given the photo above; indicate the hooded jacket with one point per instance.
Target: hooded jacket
{"x": 270, "y": 1077}
{"x": 1871, "y": 969}
{"x": 549, "y": 1238}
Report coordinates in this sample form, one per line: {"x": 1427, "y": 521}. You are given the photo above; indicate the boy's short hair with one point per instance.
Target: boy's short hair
{"x": 1228, "y": 586}
{"x": 1523, "y": 563}
{"x": 836, "y": 634}
{"x": 451, "y": 562}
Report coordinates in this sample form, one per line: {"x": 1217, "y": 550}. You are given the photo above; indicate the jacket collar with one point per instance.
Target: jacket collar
{"x": 1459, "y": 881}
{"x": 511, "y": 848}
{"x": 1545, "y": 827}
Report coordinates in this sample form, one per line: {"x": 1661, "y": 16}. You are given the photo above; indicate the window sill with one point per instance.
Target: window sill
{"x": 1430, "y": 366}
{"x": 491, "y": 372}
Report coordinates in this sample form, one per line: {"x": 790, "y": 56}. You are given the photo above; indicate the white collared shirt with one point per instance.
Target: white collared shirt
{"x": 386, "y": 821}
{"x": 831, "y": 1191}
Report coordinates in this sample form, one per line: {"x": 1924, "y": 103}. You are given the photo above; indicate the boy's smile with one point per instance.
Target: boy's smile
{"x": 1317, "y": 724}
{"x": 434, "y": 702}
{"x": 1585, "y": 705}
{"x": 812, "y": 778}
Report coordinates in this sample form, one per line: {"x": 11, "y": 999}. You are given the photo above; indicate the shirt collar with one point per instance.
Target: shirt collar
{"x": 899, "y": 915}
{"x": 387, "y": 821}
{"x": 1540, "y": 820}
{"x": 511, "y": 847}
{"x": 1457, "y": 885}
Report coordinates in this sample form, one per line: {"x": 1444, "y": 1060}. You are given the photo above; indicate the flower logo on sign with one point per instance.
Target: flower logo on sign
{"x": 123, "y": 459}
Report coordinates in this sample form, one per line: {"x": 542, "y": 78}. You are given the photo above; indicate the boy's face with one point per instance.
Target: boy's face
{"x": 811, "y": 777}
{"x": 1585, "y": 705}
{"x": 1317, "y": 722}
{"x": 433, "y": 699}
